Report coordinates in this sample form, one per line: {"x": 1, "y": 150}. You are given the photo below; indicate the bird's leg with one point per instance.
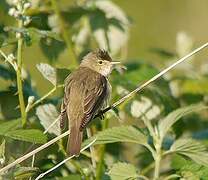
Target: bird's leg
{"x": 101, "y": 115}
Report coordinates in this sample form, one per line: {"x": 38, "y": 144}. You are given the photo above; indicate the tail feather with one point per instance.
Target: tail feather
{"x": 74, "y": 142}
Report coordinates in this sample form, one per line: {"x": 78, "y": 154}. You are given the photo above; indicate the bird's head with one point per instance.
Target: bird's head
{"x": 99, "y": 61}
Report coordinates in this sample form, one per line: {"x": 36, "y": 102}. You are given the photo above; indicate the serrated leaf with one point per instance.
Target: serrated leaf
{"x": 47, "y": 114}
{"x": 166, "y": 123}
{"x": 48, "y": 72}
{"x": 192, "y": 149}
{"x": 123, "y": 171}
{"x": 28, "y": 135}
{"x": 119, "y": 134}
{"x": 9, "y": 125}
{"x": 182, "y": 165}
{"x": 25, "y": 172}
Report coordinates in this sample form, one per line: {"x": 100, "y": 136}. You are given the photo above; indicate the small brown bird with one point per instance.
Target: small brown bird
{"x": 87, "y": 91}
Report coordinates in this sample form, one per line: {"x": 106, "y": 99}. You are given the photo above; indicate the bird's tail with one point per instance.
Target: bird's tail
{"x": 74, "y": 141}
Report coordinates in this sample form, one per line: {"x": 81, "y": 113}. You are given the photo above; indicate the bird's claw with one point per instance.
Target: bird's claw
{"x": 101, "y": 115}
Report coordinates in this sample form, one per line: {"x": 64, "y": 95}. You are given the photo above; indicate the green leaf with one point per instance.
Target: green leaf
{"x": 119, "y": 134}
{"x": 9, "y": 125}
{"x": 166, "y": 123}
{"x": 48, "y": 72}
{"x": 192, "y": 149}
{"x": 25, "y": 172}
{"x": 47, "y": 114}
{"x": 28, "y": 135}
{"x": 123, "y": 171}
{"x": 184, "y": 166}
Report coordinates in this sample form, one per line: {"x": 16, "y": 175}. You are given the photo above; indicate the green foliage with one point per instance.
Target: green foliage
{"x": 189, "y": 169}
{"x": 167, "y": 122}
{"x": 119, "y": 134}
{"x": 123, "y": 171}
{"x": 28, "y": 135}
{"x": 8, "y": 126}
{"x": 192, "y": 149}
{"x": 25, "y": 172}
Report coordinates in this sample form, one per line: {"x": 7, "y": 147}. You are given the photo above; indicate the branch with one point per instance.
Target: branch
{"x": 26, "y": 156}
{"x": 43, "y": 97}
{"x": 138, "y": 89}
{"x": 64, "y": 161}
{"x": 108, "y": 108}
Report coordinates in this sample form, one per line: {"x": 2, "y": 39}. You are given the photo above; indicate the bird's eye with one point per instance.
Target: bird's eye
{"x": 100, "y": 62}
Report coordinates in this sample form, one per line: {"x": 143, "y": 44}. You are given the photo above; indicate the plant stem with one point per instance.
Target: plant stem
{"x": 19, "y": 79}
{"x": 66, "y": 34}
{"x": 92, "y": 150}
{"x": 43, "y": 97}
{"x": 99, "y": 169}
{"x": 157, "y": 158}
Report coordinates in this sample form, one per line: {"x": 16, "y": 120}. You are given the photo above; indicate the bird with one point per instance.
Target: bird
{"x": 86, "y": 92}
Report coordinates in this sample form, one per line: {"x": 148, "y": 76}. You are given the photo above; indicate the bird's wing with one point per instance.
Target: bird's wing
{"x": 67, "y": 85}
{"x": 94, "y": 97}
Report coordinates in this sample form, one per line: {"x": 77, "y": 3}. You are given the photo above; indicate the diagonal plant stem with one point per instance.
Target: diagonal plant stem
{"x": 19, "y": 160}
{"x": 19, "y": 78}
{"x": 43, "y": 97}
{"x": 92, "y": 151}
{"x": 100, "y": 165}
{"x": 35, "y": 151}
{"x": 139, "y": 88}
{"x": 64, "y": 161}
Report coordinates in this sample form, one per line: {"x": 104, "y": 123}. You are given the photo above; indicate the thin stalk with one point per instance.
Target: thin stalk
{"x": 19, "y": 79}
{"x": 66, "y": 34}
{"x": 35, "y": 151}
{"x": 64, "y": 161}
{"x": 92, "y": 151}
{"x": 158, "y": 156}
{"x": 43, "y": 97}
{"x": 99, "y": 169}
{"x": 154, "y": 78}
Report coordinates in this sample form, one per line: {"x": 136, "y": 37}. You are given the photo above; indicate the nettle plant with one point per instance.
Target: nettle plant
{"x": 28, "y": 117}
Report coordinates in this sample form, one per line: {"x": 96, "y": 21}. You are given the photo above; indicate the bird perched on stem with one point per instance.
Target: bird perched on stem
{"x": 87, "y": 91}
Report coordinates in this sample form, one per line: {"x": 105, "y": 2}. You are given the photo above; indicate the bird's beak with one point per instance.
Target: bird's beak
{"x": 115, "y": 62}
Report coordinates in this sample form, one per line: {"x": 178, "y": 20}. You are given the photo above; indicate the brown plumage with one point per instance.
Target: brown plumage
{"x": 86, "y": 92}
